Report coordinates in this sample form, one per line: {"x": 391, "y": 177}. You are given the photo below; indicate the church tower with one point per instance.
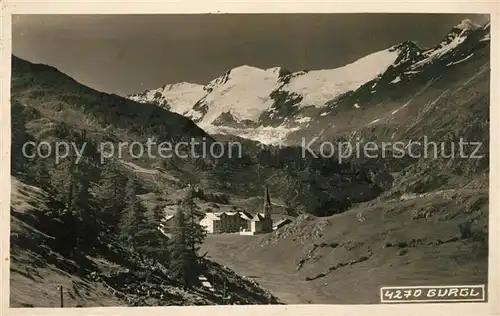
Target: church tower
{"x": 267, "y": 204}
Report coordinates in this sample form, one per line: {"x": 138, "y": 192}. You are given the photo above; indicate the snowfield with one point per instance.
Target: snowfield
{"x": 320, "y": 86}
{"x": 245, "y": 94}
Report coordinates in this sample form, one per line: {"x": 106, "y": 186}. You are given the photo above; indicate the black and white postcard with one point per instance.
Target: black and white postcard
{"x": 280, "y": 159}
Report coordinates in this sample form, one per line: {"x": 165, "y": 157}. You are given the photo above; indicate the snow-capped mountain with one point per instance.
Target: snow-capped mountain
{"x": 269, "y": 104}
{"x": 178, "y": 97}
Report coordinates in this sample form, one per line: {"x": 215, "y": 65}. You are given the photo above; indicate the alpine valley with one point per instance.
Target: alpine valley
{"x": 354, "y": 225}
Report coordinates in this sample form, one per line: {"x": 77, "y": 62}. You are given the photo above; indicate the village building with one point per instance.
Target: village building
{"x": 243, "y": 222}
{"x": 262, "y": 222}
{"x": 212, "y": 223}
{"x": 229, "y": 222}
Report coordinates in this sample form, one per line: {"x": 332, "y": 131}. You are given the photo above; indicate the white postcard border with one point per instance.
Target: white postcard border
{"x": 205, "y": 6}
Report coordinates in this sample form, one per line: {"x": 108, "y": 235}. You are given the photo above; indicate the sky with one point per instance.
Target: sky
{"x": 125, "y": 54}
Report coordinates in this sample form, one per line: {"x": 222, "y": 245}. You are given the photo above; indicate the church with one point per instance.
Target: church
{"x": 231, "y": 222}
{"x": 262, "y": 222}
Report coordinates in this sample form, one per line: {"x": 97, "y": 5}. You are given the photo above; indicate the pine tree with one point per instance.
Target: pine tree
{"x": 196, "y": 233}
{"x": 182, "y": 260}
{"x": 82, "y": 206}
{"x": 131, "y": 189}
{"x": 134, "y": 221}
{"x": 135, "y": 230}
{"x": 40, "y": 173}
{"x": 157, "y": 215}
{"x": 76, "y": 193}
{"x": 111, "y": 194}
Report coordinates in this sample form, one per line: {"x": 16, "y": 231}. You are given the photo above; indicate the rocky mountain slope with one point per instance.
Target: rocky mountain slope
{"x": 430, "y": 227}
{"x": 268, "y": 105}
{"x": 49, "y": 106}
{"x": 106, "y": 277}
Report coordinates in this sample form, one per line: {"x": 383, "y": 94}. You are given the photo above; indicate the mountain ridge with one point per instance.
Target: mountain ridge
{"x": 267, "y": 105}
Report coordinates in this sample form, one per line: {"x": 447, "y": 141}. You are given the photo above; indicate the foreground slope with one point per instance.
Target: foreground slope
{"x": 49, "y": 106}
{"x": 346, "y": 258}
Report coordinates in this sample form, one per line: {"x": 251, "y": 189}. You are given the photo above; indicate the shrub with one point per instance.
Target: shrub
{"x": 465, "y": 229}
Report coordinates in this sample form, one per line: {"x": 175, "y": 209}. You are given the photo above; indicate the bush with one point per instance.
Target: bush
{"x": 465, "y": 230}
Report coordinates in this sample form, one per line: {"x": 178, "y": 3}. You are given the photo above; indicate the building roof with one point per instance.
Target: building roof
{"x": 245, "y": 213}
{"x": 212, "y": 216}
{"x": 258, "y": 217}
{"x": 246, "y": 216}
{"x": 283, "y": 221}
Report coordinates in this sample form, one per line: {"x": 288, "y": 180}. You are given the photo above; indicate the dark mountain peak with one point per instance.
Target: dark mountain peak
{"x": 466, "y": 25}
{"x": 459, "y": 32}
{"x": 408, "y": 51}
{"x": 281, "y": 71}
{"x": 218, "y": 81}
{"x": 406, "y": 46}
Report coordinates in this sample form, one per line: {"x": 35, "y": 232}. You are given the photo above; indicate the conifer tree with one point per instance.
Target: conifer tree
{"x": 182, "y": 260}
{"x": 134, "y": 215}
{"x": 196, "y": 233}
{"x": 157, "y": 215}
{"x": 134, "y": 222}
{"x": 40, "y": 173}
{"x": 76, "y": 193}
{"x": 79, "y": 213}
{"x": 111, "y": 194}
{"x": 131, "y": 189}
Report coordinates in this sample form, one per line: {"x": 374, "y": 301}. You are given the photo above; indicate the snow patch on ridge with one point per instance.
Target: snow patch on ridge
{"x": 459, "y": 61}
{"x": 319, "y": 86}
{"x": 396, "y": 80}
{"x": 180, "y": 97}
{"x": 245, "y": 94}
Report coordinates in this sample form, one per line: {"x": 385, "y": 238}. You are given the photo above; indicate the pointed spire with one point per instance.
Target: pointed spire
{"x": 267, "y": 199}
{"x": 267, "y": 203}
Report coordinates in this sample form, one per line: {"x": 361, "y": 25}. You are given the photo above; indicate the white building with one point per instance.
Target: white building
{"x": 221, "y": 222}
{"x": 243, "y": 222}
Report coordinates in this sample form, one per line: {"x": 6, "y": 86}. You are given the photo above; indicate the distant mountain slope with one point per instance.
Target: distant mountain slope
{"x": 268, "y": 105}
{"x": 245, "y": 92}
{"x": 178, "y": 97}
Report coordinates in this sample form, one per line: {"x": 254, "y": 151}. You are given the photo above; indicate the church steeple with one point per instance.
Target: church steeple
{"x": 267, "y": 203}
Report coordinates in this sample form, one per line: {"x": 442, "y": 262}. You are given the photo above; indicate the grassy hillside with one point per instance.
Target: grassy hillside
{"x": 69, "y": 219}
{"x": 346, "y": 258}
{"x": 429, "y": 227}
